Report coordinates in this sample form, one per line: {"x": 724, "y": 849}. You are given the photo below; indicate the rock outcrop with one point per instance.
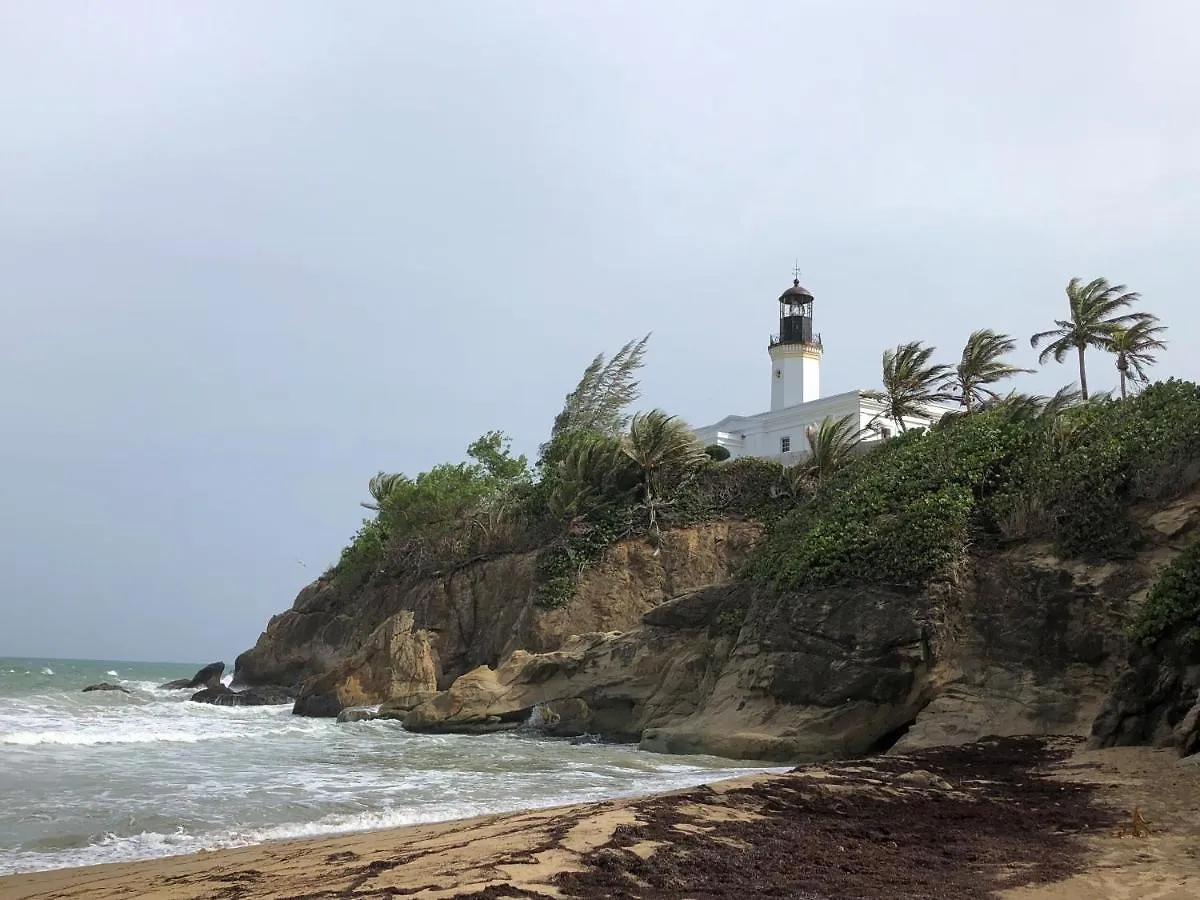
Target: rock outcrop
{"x": 395, "y": 664}
{"x": 1022, "y": 643}
{"x": 257, "y": 696}
{"x": 208, "y": 677}
{"x": 479, "y": 613}
{"x": 107, "y": 686}
{"x": 1157, "y": 701}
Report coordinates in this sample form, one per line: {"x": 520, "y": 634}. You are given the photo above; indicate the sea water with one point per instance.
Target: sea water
{"x": 107, "y": 776}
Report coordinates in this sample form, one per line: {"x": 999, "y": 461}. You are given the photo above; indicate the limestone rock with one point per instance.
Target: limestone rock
{"x": 209, "y": 677}
{"x": 480, "y": 613}
{"x": 1156, "y": 701}
{"x": 397, "y": 707}
{"x": 565, "y": 718}
{"x": 397, "y": 662}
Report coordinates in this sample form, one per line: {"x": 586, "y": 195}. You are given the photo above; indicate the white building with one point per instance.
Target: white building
{"x": 796, "y": 400}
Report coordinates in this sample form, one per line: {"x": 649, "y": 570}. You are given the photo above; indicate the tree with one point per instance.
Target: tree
{"x": 1134, "y": 348}
{"x": 1095, "y": 314}
{"x": 600, "y": 400}
{"x": 664, "y": 450}
{"x": 910, "y": 382}
{"x": 830, "y": 447}
{"x": 981, "y": 365}
{"x": 492, "y": 451}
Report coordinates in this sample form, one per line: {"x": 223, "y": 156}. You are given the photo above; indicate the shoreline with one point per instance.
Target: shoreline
{"x": 937, "y": 823}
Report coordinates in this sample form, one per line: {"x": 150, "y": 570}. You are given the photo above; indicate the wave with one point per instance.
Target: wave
{"x": 46, "y": 670}
{"x": 112, "y": 672}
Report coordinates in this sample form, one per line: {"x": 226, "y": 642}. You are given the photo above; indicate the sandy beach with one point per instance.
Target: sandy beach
{"x": 1019, "y": 818}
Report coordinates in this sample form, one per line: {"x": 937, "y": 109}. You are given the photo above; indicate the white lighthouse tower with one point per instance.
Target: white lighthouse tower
{"x": 795, "y": 351}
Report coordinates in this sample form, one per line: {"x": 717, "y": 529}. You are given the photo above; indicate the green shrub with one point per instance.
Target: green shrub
{"x": 747, "y": 487}
{"x": 362, "y": 557}
{"x": 1172, "y": 608}
{"x": 559, "y": 565}
{"x": 1090, "y": 464}
{"x": 716, "y": 452}
{"x": 901, "y": 514}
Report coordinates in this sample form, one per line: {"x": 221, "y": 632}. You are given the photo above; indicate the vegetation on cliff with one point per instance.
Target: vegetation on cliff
{"x": 1172, "y": 608}
{"x": 1006, "y": 466}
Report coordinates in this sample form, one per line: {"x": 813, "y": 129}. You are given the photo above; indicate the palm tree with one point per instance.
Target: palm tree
{"x": 910, "y": 382}
{"x": 1134, "y": 346}
{"x": 830, "y": 447}
{"x": 980, "y": 366}
{"x": 381, "y": 487}
{"x": 1094, "y": 317}
{"x": 661, "y": 447}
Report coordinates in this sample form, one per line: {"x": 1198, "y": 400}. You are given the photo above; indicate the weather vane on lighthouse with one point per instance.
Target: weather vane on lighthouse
{"x": 796, "y": 272}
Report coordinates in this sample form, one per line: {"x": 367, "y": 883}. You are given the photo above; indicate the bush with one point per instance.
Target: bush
{"x": 900, "y": 515}
{"x": 1090, "y": 464}
{"x": 747, "y": 486}
{"x": 1172, "y": 608}
{"x": 560, "y": 564}
{"x": 363, "y": 557}
{"x": 716, "y": 452}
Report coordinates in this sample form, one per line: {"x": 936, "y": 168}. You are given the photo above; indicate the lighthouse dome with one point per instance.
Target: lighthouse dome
{"x": 796, "y": 294}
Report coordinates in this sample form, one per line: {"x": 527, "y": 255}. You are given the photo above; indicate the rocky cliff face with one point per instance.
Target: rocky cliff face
{"x": 342, "y": 646}
{"x": 1022, "y": 643}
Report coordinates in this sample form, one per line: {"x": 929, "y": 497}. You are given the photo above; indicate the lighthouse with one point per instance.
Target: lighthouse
{"x": 795, "y": 351}
{"x": 797, "y": 406}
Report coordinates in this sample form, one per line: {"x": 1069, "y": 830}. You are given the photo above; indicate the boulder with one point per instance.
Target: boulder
{"x": 208, "y": 677}
{"x": 397, "y": 707}
{"x": 106, "y": 686}
{"x": 257, "y": 696}
{"x": 1156, "y": 701}
{"x": 397, "y": 663}
{"x": 356, "y": 715}
{"x": 564, "y": 718}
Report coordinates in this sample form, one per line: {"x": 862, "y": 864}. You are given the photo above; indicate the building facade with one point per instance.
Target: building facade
{"x": 796, "y": 401}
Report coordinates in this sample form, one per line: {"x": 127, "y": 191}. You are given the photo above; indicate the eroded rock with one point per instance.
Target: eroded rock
{"x": 209, "y": 677}
{"x": 106, "y": 686}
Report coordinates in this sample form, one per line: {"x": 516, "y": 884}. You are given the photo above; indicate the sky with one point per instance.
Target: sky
{"x": 252, "y": 253}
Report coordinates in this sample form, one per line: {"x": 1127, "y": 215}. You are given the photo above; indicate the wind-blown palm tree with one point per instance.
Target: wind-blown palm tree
{"x": 662, "y": 447}
{"x": 981, "y": 365}
{"x": 381, "y": 486}
{"x": 831, "y": 445}
{"x": 910, "y": 382}
{"x": 1095, "y": 313}
{"x": 1134, "y": 348}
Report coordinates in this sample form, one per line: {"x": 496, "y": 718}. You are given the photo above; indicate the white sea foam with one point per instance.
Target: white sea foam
{"x": 112, "y": 672}
{"x": 46, "y": 670}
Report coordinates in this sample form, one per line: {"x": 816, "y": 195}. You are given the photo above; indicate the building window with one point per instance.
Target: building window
{"x": 785, "y": 445}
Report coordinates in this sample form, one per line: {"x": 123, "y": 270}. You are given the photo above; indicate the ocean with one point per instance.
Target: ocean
{"x": 107, "y": 776}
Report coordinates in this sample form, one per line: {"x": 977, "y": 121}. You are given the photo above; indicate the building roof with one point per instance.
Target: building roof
{"x": 795, "y": 294}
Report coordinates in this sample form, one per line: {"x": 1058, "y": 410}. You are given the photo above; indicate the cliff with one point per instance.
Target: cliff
{"x": 476, "y": 615}
{"x": 1022, "y": 641}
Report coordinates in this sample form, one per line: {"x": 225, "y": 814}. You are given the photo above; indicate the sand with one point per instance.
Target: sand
{"x": 1021, "y": 819}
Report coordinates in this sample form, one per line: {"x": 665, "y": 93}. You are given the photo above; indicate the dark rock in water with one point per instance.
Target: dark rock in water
{"x": 356, "y": 715}
{"x": 209, "y": 677}
{"x": 260, "y": 696}
{"x": 106, "y": 686}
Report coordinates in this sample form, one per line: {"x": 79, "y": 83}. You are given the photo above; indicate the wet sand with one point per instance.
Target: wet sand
{"x": 1017, "y": 818}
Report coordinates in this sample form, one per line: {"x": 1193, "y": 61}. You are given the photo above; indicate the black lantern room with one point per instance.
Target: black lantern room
{"x": 795, "y": 317}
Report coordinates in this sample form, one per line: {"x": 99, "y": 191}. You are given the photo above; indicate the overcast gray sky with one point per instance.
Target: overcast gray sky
{"x": 251, "y": 253}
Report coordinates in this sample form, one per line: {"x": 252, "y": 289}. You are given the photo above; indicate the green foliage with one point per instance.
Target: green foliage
{"x": 899, "y": 515}
{"x": 600, "y": 400}
{"x": 560, "y": 564}
{"x": 1090, "y": 463}
{"x": 493, "y": 453}
{"x": 910, "y": 382}
{"x": 746, "y": 487}
{"x": 362, "y": 557}
{"x": 1172, "y": 608}
{"x": 716, "y": 453}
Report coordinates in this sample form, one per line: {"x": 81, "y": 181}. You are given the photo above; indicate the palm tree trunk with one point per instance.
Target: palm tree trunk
{"x": 1083, "y": 391}
{"x": 1121, "y": 364}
